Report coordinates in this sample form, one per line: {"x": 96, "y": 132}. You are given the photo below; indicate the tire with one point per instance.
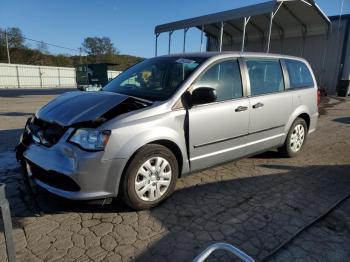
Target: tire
{"x": 143, "y": 186}
{"x": 293, "y": 148}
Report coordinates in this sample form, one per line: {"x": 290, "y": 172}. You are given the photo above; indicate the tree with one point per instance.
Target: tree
{"x": 14, "y": 36}
{"x": 63, "y": 60}
{"x": 100, "y": 50}
{"x": 43, "y": 48}
{"x": 99, "y": 46}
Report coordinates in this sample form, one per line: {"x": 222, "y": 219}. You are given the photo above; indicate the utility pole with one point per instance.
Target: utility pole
{"x": 7, "y": 47}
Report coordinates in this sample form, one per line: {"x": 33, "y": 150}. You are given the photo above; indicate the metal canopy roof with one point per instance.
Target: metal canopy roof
{"x": 289, "y": 18}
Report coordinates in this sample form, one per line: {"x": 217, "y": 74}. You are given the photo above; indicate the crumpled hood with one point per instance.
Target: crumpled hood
{"x": 78, "y": 107}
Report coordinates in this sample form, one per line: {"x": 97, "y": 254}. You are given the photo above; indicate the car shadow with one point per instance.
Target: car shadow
{"x": 271, "y": 154}
{"x": 343, "y": 120}
{"x": 20, "y": 92}
{"x": 9, "y": 139}
{"x": 16, "y": 114}
{"x": 256, "y": 213}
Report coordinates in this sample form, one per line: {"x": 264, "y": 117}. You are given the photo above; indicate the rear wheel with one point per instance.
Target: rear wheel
{"x": 150, "y": 177}
{"x": 296, "y": 139}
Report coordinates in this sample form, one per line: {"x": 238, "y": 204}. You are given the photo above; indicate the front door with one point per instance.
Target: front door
{"x": 218, "y": 130}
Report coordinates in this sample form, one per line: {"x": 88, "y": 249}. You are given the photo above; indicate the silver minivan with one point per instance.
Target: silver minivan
{"x": 166, "y": 117}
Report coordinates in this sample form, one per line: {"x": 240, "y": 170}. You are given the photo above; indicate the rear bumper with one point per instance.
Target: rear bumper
{"x": 72, "y": 173}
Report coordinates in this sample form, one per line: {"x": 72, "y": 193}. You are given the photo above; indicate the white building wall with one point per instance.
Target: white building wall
{"x": 113, "y": 74}
{"x": 28, "y": 76}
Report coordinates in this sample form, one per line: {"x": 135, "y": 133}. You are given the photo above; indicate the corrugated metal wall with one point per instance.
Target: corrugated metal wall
{"x": 28, "y": 76}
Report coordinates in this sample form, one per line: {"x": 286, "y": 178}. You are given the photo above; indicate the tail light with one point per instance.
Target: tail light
{"x": 318, "y": 97}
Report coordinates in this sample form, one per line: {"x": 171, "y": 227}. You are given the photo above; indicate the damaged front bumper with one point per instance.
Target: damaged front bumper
{"x": 68, "y": 171}
{"x": 62, "y": 167}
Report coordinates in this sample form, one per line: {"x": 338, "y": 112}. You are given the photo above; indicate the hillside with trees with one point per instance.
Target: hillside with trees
{"x": 93, "y": 49}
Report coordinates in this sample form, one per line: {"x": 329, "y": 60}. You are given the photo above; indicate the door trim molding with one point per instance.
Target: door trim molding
{"x": 236, "y": 147}
{"x": 235, "y": 137}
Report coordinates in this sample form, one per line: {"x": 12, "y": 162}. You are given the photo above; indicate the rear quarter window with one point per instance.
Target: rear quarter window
{"x": 299, "y": 74}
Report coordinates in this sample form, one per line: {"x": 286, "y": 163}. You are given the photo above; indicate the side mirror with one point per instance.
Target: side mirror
{"x": 203, "y": 95}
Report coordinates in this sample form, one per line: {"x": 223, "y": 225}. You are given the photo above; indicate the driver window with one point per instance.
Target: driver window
{"x": 225, "y": 78}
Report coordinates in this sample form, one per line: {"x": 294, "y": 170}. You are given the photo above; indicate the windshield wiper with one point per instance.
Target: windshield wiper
{"x": 142, "y": 101}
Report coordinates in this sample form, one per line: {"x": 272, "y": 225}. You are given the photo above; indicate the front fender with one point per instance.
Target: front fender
{"x": 148, "y": 136}
{"x": 127, "y": 139}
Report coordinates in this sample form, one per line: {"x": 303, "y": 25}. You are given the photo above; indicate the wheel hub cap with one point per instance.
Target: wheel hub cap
{"x": 153, "y": 179}
{"x": 297, "y": 138}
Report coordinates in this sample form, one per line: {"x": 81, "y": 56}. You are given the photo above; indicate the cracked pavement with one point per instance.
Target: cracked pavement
{"x": 257, "y": 204}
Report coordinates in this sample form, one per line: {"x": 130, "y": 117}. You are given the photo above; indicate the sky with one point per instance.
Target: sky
{"x": 129, "y": 23}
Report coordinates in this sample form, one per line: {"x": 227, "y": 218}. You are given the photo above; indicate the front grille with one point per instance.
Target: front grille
{"x": 53, "y": 178}
{"x": 44, "y": 132}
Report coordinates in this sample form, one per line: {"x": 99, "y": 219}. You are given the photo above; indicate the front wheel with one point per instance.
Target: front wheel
{"x": 296, "y": 138}
{"x": 150, "y": 177}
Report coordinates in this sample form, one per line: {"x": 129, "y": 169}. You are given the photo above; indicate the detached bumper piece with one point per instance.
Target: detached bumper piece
{"x": 53, "y": 178}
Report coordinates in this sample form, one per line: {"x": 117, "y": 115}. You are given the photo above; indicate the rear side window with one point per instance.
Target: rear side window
{"x": 265, "y": 76}
{"x": 299, "y": 74}
{"x": 225, "y": 77}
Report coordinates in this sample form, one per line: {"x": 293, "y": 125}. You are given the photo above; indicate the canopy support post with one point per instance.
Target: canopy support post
{"x": 269, "y": 35}
{"x": 184, "y": 44}
{"x": 169, "y": 44}
{"x": 156, "y": 48}
{"x": 272, "y": 15}
{"x": 221, "y": 36}
{"x": 202, "y": 34}
{"x": 245, "y": 22}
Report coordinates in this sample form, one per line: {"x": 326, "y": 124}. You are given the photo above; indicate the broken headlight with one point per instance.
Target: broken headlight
{"x": 90, "y": 139}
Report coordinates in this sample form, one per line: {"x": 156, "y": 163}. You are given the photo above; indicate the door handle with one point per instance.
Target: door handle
{"x": 258, "y": 105}
{"x": 241, "y": 109}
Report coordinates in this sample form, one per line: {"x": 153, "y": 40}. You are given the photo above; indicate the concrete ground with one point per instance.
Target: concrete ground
{"x": 257, "y": 204}
{"x": 16, "y": 105}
